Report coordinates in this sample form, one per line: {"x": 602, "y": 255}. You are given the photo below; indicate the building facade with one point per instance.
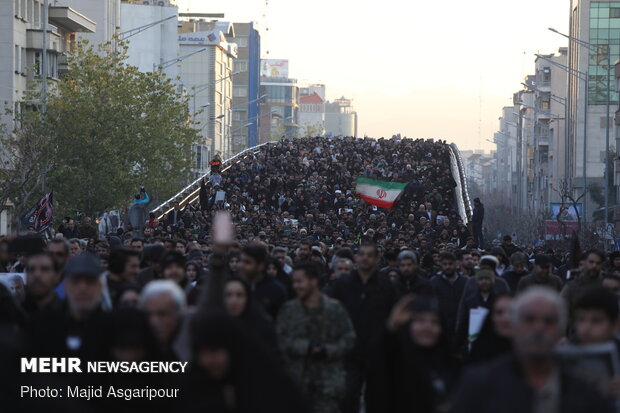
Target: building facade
{"x": 311, "y": 115}
{"x": 506, "y": 178}
{"x": 155, "y": 45}
{"x": 591, "y": 93}
{"x": 340, "y": 118}
{"x": 246, "y": 88}
{"x": 279, "y": 110}
{"x": 206, "y": 74}
{"x": 106, "y": 13}
{"x": 22, "y": 47}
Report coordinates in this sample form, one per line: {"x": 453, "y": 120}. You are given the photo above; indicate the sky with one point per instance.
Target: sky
{"x": 435, "y": 68}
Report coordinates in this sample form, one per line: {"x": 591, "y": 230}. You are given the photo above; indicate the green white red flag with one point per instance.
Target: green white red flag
{"x": 380, "y": 193}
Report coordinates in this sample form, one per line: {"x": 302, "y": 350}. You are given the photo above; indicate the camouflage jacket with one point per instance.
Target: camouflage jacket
{"x": 328, "y": 325}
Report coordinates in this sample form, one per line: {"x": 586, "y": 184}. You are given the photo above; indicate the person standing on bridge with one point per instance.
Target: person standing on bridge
{"x": 137, "y": 213}
{"x": 477, "y": 218}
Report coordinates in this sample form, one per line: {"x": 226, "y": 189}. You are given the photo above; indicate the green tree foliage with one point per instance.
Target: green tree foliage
{"x": 117, "y": 128}
{"x": 27, "y": 152}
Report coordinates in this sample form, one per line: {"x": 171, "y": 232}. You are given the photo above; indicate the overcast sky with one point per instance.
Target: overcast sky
{"x": 424, "y": 69}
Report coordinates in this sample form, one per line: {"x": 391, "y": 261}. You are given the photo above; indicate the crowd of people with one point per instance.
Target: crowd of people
{"x": 286, "y": 293}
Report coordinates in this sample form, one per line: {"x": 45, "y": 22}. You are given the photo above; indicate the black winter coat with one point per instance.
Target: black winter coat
{"x": 499, "y": 386}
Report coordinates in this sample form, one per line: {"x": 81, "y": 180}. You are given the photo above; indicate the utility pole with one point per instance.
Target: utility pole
{"x": 606, "y": 174}
{"x": 44, "y": 63}
{"x": 44, "y": 71}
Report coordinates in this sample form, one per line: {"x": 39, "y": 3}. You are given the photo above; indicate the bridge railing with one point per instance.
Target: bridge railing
{"x": 191, "y": 192}
{"x": 461, "y": 191}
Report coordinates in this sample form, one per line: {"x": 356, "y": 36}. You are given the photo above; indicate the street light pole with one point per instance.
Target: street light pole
{"x": 606, "y": 174}
{"x": 585, "y": 77}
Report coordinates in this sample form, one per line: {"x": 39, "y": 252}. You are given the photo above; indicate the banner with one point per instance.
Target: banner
{"x": 557, "y": 230}
{"x": 41, "y": 216}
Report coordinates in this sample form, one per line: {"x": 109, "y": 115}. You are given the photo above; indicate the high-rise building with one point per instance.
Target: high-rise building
{"x": 592, "y": 97}
{"x": 549, "y": 155}
{"x": 279, "y": 109}
{"x": 206, "y": 74}
{"x": 154, "y": 46}
{"x": 506, "y": 158}
{"x": 340, "y": 118}
{"x": 246, "y": 87}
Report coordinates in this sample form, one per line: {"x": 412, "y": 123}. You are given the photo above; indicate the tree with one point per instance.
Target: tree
{"x": 28, "y": 152}
{"x": 119, "y": 129}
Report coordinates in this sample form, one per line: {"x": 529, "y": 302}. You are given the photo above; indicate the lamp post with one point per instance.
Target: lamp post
{"x": 206, "y": 86}
{"x": 581, "y": 76}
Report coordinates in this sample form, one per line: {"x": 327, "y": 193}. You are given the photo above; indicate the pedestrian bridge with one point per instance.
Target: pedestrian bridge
{"x": 190, "y": 194}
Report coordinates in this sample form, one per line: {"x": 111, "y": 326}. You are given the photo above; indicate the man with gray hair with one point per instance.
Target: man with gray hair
{"x": 530, "y": 379}
{"x": 164, "y": 303}
{"x": 410, "y": 280}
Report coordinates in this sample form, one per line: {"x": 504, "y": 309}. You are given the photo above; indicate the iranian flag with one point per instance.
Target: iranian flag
{"x": 380, "y": 193}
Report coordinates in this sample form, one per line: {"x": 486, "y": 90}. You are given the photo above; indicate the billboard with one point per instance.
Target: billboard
{"x": 201, "y": 38}
{"x": 274, "y": 67}
{"x": 566, "y": 212}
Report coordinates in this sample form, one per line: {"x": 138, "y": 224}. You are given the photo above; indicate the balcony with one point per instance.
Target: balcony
{"x": 71, "y": 20}
{"x": 34, "y": 39}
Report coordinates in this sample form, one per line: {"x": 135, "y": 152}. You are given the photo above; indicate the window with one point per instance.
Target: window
{"x": 241, "y": 66}
{"x": 17, "y": 6}
{"x": 236, "y": 116}
{"x": 17, "y": 59}
{"x": 30, "y": 10}
{"x": 242, "y": 41}
{"x": 614, "y": 13}
{"x": 53, "y": 66}
{"x": 546, "y": 75}
{"x": 22, "y": 9}
{"x": 240, "y": 92}
{"x": 24, "y": 64}
{"x": 37, "y": 13}
{"x": 37, "y": 63}
{"x": 544, "y": 105}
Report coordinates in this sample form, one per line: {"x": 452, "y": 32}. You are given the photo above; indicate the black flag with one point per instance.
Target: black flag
{"x": 204, "y": 197}
{"x": 576, "y": 250}
{"x": 40, "y": 216}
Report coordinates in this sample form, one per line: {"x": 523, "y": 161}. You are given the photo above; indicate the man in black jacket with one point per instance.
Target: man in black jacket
{"x": 410, "y": 280}
{"x": 267, "y": 291}
{"x": 477, "y": 218}
{"x": 368, "y": 298}
{"x": 531, "y": 380}
{"x": 518, "y": 262}
{"x": 448, "y": 286}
